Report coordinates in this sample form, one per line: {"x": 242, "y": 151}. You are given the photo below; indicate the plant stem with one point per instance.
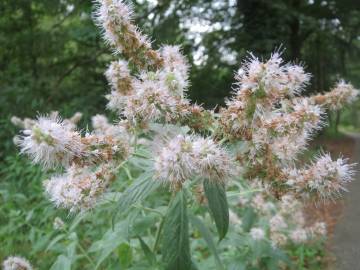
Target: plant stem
{"x": 86, "y": 255}
{"x": 158, "y": 233}
{"x": 83, "y": 251}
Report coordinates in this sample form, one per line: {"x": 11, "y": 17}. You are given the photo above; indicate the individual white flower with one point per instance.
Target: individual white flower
{"x": 257, "y": 233}
{"x": 175, "y": 72}
{"x": 175, "y": 162}
{"x": 174, "y": 81}
{"x": 297, "y": 79}
{"x": 212, "y": 161}
{"x": 328, "y": 177}
{"x": 79, "y": 188}
{"x": 118, "y": 76}
{"x": 318, "y": 229}
{"x": 277, "y": 223}
{"x": 121, "y": 82}
{"x": 50, "y": 142}
{"x": 58, "y": 224}
{"x": 112, "y": 16}
{"x": 174, "y": 59}
{"x": 298, "y": 235}
{"x": 16, "y": 263}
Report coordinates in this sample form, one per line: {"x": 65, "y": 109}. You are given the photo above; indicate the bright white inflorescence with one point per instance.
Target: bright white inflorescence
{"x": 342, "y": 94}
{"x": 16, "y": 263}
{"x": 51, "y": 142}
{"x": 184, "y": 157}
{"x": 79, "y": 188}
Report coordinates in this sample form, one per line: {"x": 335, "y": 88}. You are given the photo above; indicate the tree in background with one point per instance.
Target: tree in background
{"x": 49, "y": 47}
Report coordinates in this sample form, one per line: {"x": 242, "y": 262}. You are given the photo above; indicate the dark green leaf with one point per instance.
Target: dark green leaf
{"x": 175, "y": 240}
{"x": 150, "y": 256}
{"x": 216, "y": 196}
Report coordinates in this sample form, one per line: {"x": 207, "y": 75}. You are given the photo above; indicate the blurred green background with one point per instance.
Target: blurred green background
{"x": 52, "y": 57}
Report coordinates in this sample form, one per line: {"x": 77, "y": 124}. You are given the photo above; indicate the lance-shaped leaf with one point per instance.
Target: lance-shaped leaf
{"x": 175, "y": 239}
{"x": 216, "y": 197}
{"x": 137, "y": 192}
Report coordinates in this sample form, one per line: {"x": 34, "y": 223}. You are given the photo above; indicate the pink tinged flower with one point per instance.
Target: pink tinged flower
{"x": 212, "y": 161}
{"x": 328, "y": 177}
{"x": 79, "y": 188}
{"x": 299, "y": 236}
{"x": 175, "y": 161}
{"x": 16, "y": 263}
{"x": 51, "y": 142}
{"x": 297, "y": 78}
{"x": 343, "y": 94}
{"x": 257, "y": 233}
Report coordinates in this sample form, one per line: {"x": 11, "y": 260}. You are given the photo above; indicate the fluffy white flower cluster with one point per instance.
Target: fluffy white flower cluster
{"x": 324, "y": 176}
{"x": 274, "y": 122}
{"x": 286, "y": 134}
{"x": 282, "y": 222}
{"x": 272, "y": 77}
{"x": 79, "y": 188}
{"x": 184, "y": 157}
{"x": 266, "y": 113}
{"x": 342, "y": 94}
{"x": 115, "y": 18}
{"x": 121, "y": 82}
{"x": 260, "y": 86}
{"x": 87, "y": 159}
{"x": 51, "y": 142}
{"x": 152, "y": 95}
{"x": 257, "y": 233}
{"x": 16, "y": 263}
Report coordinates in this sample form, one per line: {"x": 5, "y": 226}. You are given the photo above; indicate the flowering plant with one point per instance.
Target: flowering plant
{"x": 239, "y": 162}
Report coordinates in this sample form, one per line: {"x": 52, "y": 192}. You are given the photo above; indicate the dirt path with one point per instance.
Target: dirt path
{"x": 346, "y": 239}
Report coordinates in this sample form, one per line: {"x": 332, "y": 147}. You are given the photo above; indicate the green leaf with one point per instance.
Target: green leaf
{"x": 125, "y": 255}
{"x": 206, "y": 234}
{"x": 175, "y": 240}
{"x": 248, "y": 219}
{"x": 55, "y": 241}
{"x": 110, "y": 241}
{"x": 62, "y": 263}
{"x": 137, "y": 192}
{"x": 150, "y": 256}
{"x": 216, "y": 196}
